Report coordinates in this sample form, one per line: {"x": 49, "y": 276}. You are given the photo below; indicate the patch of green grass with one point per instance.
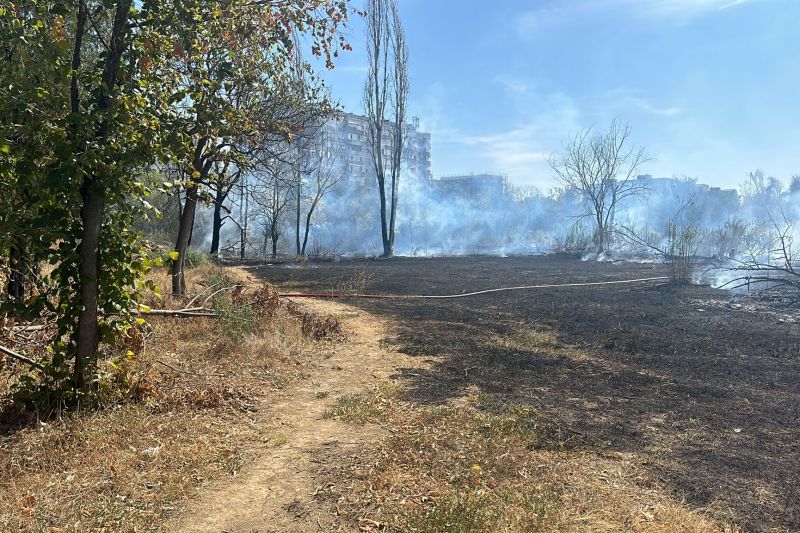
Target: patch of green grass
{"x": 533, "y": 338}
{"x": 466, "y": 512}
{"x": 372, "y": 407}
{"x": 455, "y": 513}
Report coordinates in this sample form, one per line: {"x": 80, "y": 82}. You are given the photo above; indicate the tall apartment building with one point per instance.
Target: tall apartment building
{"x": 484, "y": 186}
{"x": 348, "y": 142}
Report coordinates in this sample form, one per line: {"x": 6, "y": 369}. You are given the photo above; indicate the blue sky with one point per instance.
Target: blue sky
{"x": 710, "y": 87}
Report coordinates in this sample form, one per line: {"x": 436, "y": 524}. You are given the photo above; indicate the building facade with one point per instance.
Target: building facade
{"x": 347, "y": 137}
{"x": 477, "y": 186}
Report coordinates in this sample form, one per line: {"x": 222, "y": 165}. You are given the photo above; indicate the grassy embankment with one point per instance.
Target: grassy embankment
{"x": 180, "y": 412}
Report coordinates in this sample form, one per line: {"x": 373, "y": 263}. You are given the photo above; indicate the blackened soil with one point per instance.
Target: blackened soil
{"x": 706, "y": 395}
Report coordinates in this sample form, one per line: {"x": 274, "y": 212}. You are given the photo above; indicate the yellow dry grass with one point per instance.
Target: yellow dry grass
{"x": 480, "y": 465}
{"x": 187, "y": 420}
{"x": 477, "y": 466}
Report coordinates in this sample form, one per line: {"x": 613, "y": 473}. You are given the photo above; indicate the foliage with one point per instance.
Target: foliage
{"x": 577, "y": 241}
{"x": 236, "y": 315}
{"x": 677, "y": 245}
{"x": 240, "y": 90}
{"x": 92, "y": 96}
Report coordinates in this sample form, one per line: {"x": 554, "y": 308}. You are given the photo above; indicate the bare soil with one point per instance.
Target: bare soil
{"x": 702, "y": 391}
{"x": 274, "y": 491}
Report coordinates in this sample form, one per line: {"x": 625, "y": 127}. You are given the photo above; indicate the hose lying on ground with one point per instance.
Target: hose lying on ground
{"x": 466, "y": 294}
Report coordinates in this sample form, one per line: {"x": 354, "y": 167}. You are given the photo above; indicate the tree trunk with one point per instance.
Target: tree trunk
{"x": 392, "y": 215}
{"x": 217, "y": 222}
{"x": 243, "y": 228}
{"x": 387, "y": 248}
{"x": 191, "y": 226}
{"x": 308, "y": 227}
{"x": 89, "y": 252}
{"x": 182, "y": 243}
{"x": 93, "y": 196}
{"x": 300, "y": 249}
{"x": 16, "y": 260}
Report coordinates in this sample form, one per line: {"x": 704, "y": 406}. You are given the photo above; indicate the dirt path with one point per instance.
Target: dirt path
{"x": 273, "y": 492}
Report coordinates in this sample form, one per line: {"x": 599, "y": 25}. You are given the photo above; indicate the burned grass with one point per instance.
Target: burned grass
{"x": 180, "y": 412}
{"x": 700, "y": 393}
{"x": 476, "y": 465}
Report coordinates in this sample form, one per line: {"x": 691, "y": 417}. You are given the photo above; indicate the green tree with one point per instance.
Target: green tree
{"x": 238, "y": 66}
{"x": 89, "y": 92}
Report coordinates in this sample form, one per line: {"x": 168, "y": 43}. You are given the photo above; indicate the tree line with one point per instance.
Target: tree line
{"x": 106, "y": 103}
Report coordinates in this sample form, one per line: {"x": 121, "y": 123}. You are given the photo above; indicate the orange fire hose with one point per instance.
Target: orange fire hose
{"x": 466, "y": 294}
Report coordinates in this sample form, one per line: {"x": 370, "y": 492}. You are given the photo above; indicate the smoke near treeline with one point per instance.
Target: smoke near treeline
{"x": 485, "y": 214}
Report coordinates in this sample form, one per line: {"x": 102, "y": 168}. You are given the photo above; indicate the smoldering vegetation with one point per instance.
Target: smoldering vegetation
{"x": 740, "y": 238}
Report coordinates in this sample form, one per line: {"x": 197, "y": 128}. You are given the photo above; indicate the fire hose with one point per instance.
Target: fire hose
{"x": 466, "y": 294}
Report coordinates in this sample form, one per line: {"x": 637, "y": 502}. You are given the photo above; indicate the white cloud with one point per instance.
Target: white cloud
{"x": 521, "y": 152}
{"x": 623, "y": 98}
{"x": 650, "y": 108}
{"x": 733, "y": 4}
{"x": 511, "y": 84}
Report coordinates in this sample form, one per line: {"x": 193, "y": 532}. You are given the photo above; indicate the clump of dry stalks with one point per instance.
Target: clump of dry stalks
{"x": 179, "y": 397}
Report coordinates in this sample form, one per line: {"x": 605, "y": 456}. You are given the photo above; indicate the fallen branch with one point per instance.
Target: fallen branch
{"x": 209, "y": 298}
{"x": 29, "y": 328}
{"x": 209, "y": 288}
{"x": 178, "y": 313}
{"x": 19, "y": 357}
{"x": 17, "y": 329}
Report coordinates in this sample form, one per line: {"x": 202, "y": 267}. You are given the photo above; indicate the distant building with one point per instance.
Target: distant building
{"x": 686, "y": 187}
{"x": 715, "y": 204}
{"x": 485, "y": 186}
{"x": 348, "y": 140}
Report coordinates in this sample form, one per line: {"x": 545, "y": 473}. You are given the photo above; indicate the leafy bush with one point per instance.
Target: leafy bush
{"x": 237, "y": 316}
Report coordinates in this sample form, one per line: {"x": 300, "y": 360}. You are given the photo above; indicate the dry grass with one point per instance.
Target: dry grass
{"x": 464, "y": 468}
{"x": 365, "y": 408}
{"x": 185, "y": 415}
{"x": 477, "y": 466}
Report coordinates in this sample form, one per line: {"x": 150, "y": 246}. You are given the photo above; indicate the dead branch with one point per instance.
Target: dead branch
{"x": 209, "y": 298}
{"x": 21, "y": 358}
{"x": 17, "y": 329}
{"x": 179, "y": 313}
{"x": 209, "y": 288}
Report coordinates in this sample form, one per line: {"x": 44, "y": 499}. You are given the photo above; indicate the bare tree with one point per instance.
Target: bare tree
{"x": 603, "y": 168}
{"x": 323, "y": 174}
{"x": 771, "y": 261}
{"x": 385, "y": 99}
{"x": 227, "y": 178}
{"x": 271, "y": 190}
{"x": 677, "y": 245}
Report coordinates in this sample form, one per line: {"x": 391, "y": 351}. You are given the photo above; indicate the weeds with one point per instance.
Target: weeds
{"x": 237, "y": 318}
{"x": 484, "y": 466}
{"x": 359, "y": 283}
{"x": 172, "y": 393}
{"x": 365, "y": 408}
{"x": 455, "y": 513}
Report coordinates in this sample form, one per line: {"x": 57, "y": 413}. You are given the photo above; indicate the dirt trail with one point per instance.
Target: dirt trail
{"x": 273, "y": 492}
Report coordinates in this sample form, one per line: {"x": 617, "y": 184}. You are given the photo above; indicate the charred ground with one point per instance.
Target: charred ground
{"x": 704, "y": 391}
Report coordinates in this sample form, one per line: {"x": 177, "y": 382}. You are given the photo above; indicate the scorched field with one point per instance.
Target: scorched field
{"x": 701, "y": 390}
